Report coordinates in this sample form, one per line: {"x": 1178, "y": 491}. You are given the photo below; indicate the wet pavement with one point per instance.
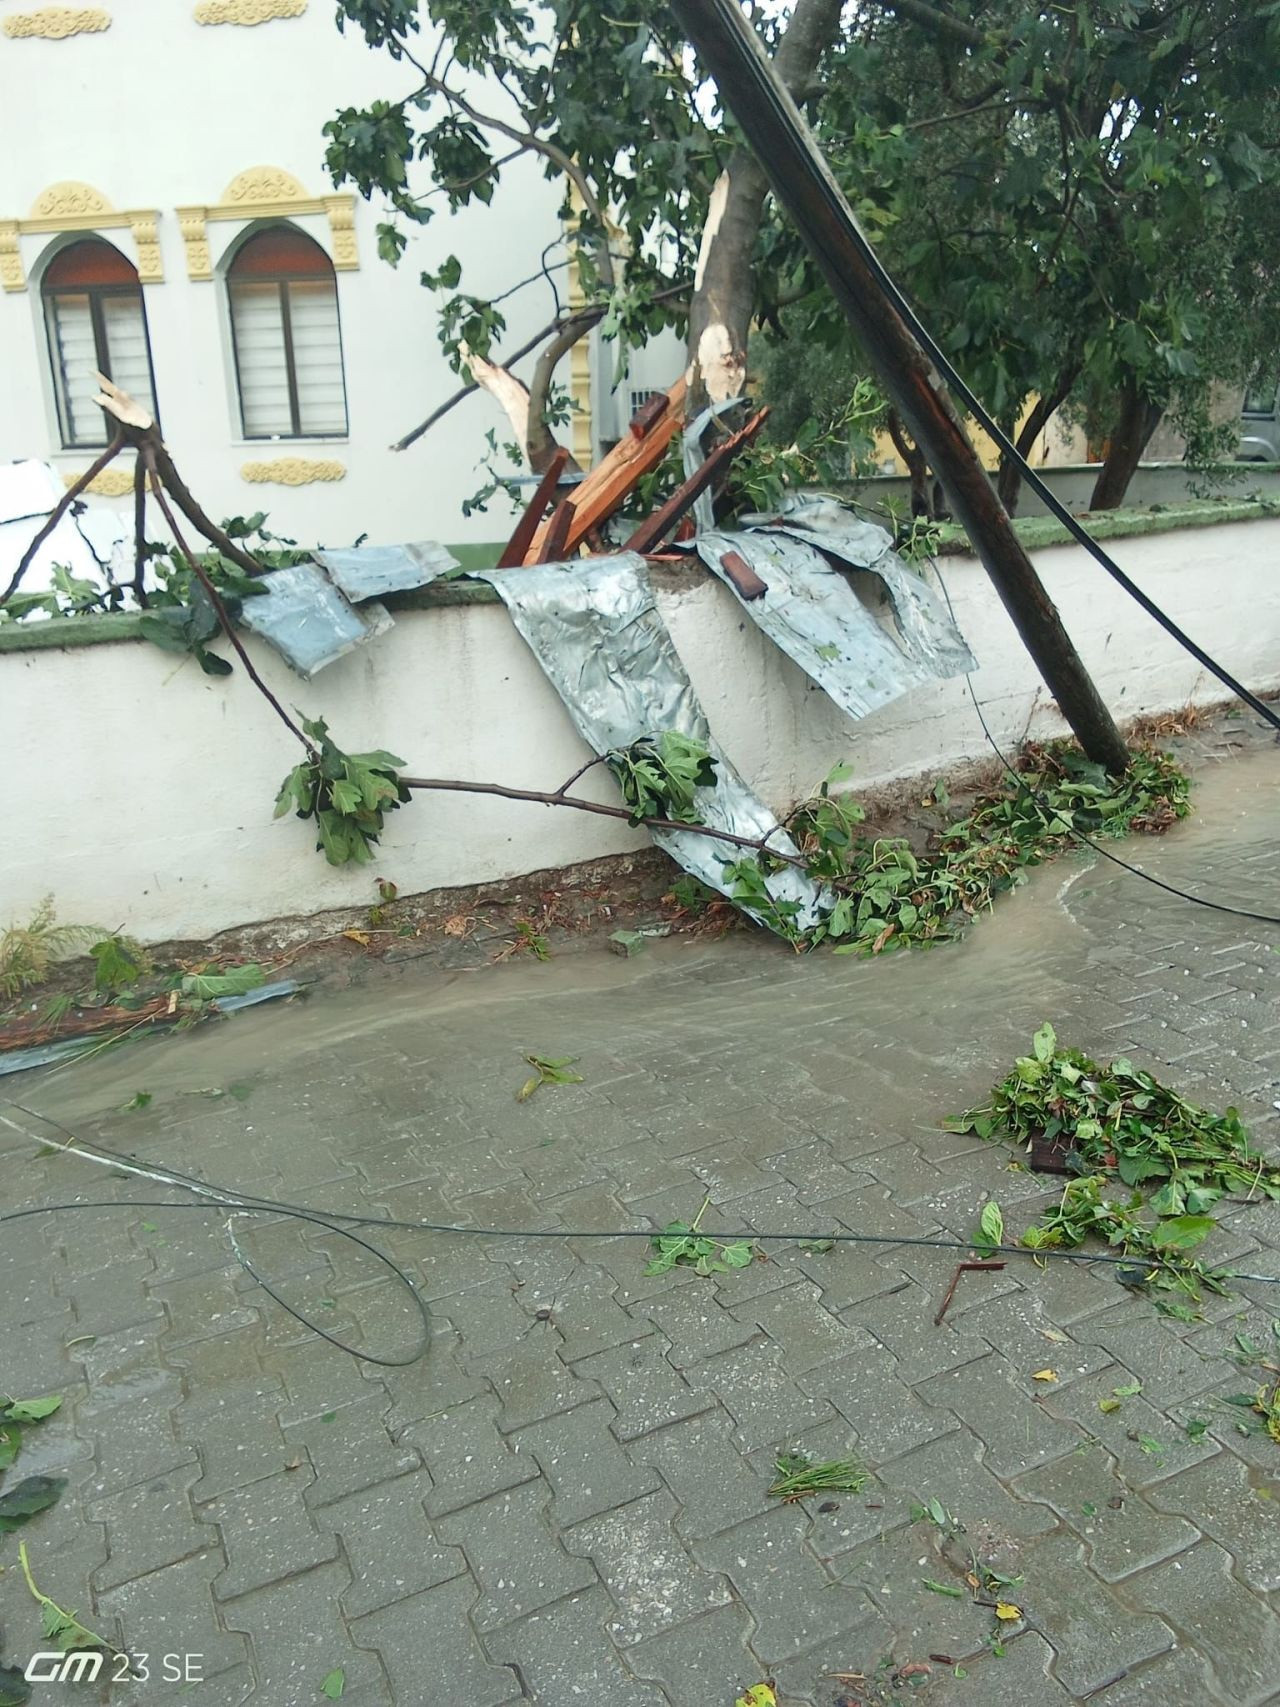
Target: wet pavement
{"x": 565, "y": 1501}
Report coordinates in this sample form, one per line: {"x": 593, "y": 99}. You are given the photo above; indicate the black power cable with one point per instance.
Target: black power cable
{"x": 249, "y": 1203}
{"x": 1047, "y": 807}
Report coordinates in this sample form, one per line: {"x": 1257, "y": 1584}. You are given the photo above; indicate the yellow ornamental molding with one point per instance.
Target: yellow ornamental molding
{"x": 73, "y": 206}
{"x": 247, "y": 11}
{"x": 56, "y": 23}
{"x": 266, "y": 192}
{"x": 195, "y": 241}
{"x": 12, "y": 276}
{"x": 268, "y": 184}
{"x": 111, "y": 483}
{"x": 147, "y": 243}
{"x": 68, "y": 200}
{"x": 290, "y": 471}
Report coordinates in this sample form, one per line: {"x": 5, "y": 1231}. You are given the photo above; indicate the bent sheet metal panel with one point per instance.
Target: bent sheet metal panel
{"x": 372, "y": 571}
{"x": 595, "y": 630}
{"x": 813, "y": 615}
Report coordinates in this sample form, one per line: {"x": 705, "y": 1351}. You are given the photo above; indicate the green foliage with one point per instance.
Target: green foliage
{"x": 990, "y": 1229}
{"x": 29, "y": 951}
{"x": 58, "y": 1626}
{"x": 348, "y": 795}
{"x": 235, "y": 981}
{"x": 548, "y": 1071}
{"x": 797, "y": 1477}
{"x": 118, "y": 962}
{"x": 682, "y": 1244}
{"x": 18, "y": 1505}
{"x": 890, "y": 895}
{"x": 660, "y": 775}
{"x": 1123, "y": 1127}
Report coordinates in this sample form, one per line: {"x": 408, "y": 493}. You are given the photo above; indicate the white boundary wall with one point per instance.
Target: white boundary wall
{"x": 139, "y": 792}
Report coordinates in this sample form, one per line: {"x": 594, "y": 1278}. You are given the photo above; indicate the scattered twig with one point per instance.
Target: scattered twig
{"x": 961, "y": 1268}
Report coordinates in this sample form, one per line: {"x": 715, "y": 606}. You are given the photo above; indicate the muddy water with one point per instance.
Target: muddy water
{"x": 1041, "y": 944}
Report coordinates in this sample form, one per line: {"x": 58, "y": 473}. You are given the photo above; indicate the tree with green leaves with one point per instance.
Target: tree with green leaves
{"x": 1080, "y": 197}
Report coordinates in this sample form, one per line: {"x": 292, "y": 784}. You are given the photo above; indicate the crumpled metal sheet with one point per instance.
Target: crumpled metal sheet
{"x": 594, "y": 628}
{"x": 307, "y": 619}
{"x": 372, "y": 571}
{"x": 813, "y": 615}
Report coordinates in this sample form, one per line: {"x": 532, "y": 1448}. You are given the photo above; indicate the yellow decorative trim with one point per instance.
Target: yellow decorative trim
{"x": 290, "y": 471}
{"x": 342, "y": 233}
{"x": 580, "y": 355}
{"x": 247, "y": 11}
{"x": 73, "y": 206}
{"x": 111, "y": 483}
{"x": 147, "y": 243}
{"x": 263, "y": 184}
{"x": 195, "y": 241}
{"x": 56, "y": 23}
{"x": 69, "y": 199}
{"x": 269, "y": 192}
{"x": 12, "y": 276}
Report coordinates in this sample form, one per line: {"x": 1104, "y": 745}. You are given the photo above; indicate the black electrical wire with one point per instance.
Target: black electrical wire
{"x": 768, "y": 90}
{"x": 250, "y": 1203}
{"x": 1084, "y": 840}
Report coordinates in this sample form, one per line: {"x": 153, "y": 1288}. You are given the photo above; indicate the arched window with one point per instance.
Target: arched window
{"x": 287, "y": 340}
{"x": 96, "y": 320}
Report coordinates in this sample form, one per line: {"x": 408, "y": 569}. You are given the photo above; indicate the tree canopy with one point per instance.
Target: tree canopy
{"x": 1080, "y": 197}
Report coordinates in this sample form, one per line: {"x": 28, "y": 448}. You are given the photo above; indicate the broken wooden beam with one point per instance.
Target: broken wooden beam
{"x": 555, "y": 538}
{"x": 655, "y": 528}
{"x": 600, "y": 493}
{"x": 742, "y": 577}
{"x": 524, "y": 530}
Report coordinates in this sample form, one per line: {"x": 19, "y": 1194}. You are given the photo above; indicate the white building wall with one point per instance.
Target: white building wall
{"x": 157, "y": 817}
{"x": 158, "y": 112}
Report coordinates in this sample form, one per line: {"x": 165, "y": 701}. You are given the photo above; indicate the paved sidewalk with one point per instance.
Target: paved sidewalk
{"x": 565, "y": 1503}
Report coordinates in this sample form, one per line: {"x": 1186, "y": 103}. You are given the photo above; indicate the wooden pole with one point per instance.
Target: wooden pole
{"x": 785, "y": 148}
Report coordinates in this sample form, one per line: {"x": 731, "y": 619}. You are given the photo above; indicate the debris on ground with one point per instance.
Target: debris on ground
{"x": 799, "y": 1478}
{"x": 548, "y": 1072}
{"x": 1117, "y": 1123}
{"x": 681, "y": 1244}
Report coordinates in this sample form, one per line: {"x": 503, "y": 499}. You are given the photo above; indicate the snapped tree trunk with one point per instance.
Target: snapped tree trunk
{"x": 1139, "y": 418}
{"x": 723, "y": 286}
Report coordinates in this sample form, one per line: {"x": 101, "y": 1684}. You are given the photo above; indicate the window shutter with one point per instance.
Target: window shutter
{"x": 127, "y": 356}
{"x": 317, "y": 355}
{"x": 75, "y": 359}
{"x": 257, "y": 322}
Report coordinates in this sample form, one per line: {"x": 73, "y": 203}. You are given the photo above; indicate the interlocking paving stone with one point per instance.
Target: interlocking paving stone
{"x": 466, "y": 1457}
{"x": 653, "y": 1580}
{"x": 778, "y": 1577}
{"x": 584, "y": 1463}
{"x": 638, "y": 1560}
{"x": 563, "y": 1655}
{"x": 511, "y": 1550}
{"x": 1234, "y": 1633}
{"x": 432, "y": 1653}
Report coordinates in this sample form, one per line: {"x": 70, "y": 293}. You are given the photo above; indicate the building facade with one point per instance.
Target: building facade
{"x": 166, "y": 215}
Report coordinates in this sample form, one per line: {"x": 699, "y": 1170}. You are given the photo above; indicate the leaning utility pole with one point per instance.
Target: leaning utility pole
{"x": 786, "y": 149}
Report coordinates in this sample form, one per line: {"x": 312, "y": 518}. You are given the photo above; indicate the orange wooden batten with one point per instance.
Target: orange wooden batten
{"x": 605, "y": 487}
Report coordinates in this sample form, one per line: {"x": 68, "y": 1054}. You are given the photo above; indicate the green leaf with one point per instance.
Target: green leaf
{"x": 334, "y": 1683}
{"x": 739, "y": 1255}
{"x": 35, "y": 1494}
{"x": 1133, "y": 1169}
{"x": 235, "y": 981}
{"x": 1184, "y": 1232}
{"x": 15, "y": 1691}
{"x": 32, "y": 1410}
{"x": 115, "y": 964}
{"x": 10, "y": 1443}
{"x": 1044, "y": 1042}
{"x": 991, "y": 1225}
{"x": 948, "y": 1589}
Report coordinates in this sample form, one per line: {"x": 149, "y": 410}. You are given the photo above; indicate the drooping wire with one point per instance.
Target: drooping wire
{"x": 1079, "y": 836}
{"x": 249, "y": 1203}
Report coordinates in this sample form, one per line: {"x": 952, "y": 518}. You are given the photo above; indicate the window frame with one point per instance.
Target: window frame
{"x": 101, "y": 346}
{"x": 283, "y": 281}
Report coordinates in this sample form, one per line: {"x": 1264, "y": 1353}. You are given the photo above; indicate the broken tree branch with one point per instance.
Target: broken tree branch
{"x": 57, "y": 512}
{"x": 148, "y": 450}
{"x": 757, "y": 845}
